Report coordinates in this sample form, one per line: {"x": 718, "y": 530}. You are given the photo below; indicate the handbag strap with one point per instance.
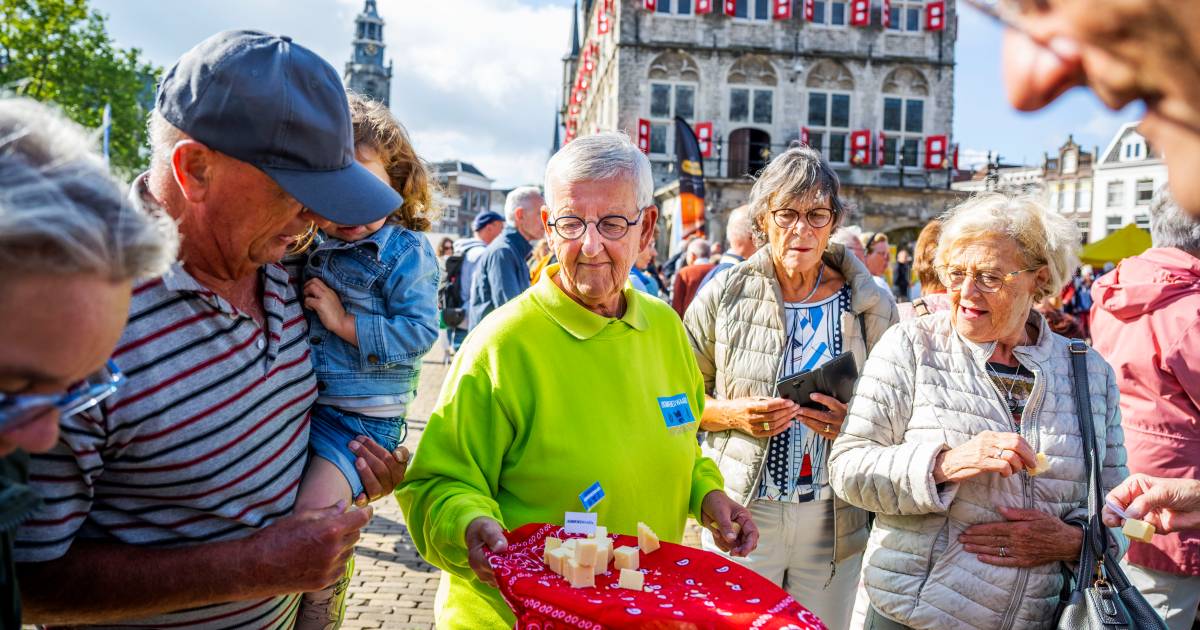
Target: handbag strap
{"x": 1096, "y": 533}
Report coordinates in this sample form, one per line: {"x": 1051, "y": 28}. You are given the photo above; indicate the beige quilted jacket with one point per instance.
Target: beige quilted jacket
{"x": 924, "y": 389}
{"x": 736, "y": 328}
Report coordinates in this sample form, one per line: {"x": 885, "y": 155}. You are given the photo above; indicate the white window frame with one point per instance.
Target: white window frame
{"x": 669, "y": 120}
{"x": 1137, "y": 192}
{"x": 900, "y": 9}
{"x": 673, "y": 8}
{"x": 1142, "y": 220}
{"x": 827, "y": 14}
{"x": 752, "y": 90}
{"x": 902, "y": 135}
{"x": 1117, "y": 186}
{"x": 827, "y": 129}
{"x": 752, "y": 12}
{"x": 1112, "y": 223}
{"x": 1083, "y": 198}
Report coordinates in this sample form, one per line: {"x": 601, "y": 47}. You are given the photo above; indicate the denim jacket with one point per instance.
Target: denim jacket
{"x": 388, "y": 281}
{"x": 500, "y": 276}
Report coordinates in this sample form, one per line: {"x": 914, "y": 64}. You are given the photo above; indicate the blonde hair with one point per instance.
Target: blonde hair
{"x": 925, "y": 257}
{"x": 375, "y": 127}
{"x": 1045, "y": 238}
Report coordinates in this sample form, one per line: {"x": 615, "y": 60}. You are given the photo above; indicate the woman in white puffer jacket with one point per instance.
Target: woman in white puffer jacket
{"x": 946, "y": 424}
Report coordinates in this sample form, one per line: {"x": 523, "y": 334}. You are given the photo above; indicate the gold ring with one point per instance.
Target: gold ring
{"x": 766, "y": 426}
{"x": 829, "y": 428}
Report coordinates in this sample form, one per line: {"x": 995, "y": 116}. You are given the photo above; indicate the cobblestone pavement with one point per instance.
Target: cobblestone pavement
{"x": 392, "y": 586}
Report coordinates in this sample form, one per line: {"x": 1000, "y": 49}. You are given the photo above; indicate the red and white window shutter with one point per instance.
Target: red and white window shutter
{"x": 782, "y": 10}
{"x": 703, "y": 7}
{"x": 885, "y": 13}
{"x": 879, "y": 153}
{"x": 704, "y": 137}
{"x": 860, "y": 12}
{"x": 810, "y": 9}
{"x": 860, "y": 147}
{"x": 651, "y": 5}
{"x": 643, "y": 135}
{"x": 731, "y": 7}
{"x": 935, "y": 152}
{"x": 935, "y": 16}
{"x": 603, "y": 24}
{"x": 804, "y": 136}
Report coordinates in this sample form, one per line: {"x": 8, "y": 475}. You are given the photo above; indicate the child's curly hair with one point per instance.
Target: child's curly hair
{"x": 375, "y": 127}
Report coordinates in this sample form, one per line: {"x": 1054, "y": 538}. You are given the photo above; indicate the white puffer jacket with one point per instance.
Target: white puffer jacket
{"x": 925, "y": 389}
{"x": 736, "y": 328}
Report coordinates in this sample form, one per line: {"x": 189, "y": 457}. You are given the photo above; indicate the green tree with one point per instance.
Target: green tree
{"x": 60, "y": 51}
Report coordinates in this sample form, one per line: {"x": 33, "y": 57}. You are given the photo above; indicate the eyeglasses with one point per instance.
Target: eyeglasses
{"x": 612, "y": 227}
{"x": 816, "y": 218}
{"x": 987, "y": 281}
{"x": 16, "y": 410}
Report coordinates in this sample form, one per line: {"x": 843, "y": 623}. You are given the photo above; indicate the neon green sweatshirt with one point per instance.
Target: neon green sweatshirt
{"x": 544, "y": 399}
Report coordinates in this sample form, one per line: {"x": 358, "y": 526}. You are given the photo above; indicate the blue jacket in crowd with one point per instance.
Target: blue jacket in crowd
{"x": 388, "y": 281}
{"x": 501, "y": 275}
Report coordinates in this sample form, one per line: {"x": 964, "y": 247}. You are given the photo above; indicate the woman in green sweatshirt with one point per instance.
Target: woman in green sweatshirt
{"x": 579, "y": 380}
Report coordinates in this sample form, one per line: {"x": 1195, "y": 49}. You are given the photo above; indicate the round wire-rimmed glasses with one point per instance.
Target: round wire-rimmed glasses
{"x": 612, "y": 227}
{"x": 17, "y": 410}
{"x": 988, "y": 281}
{"x": 816, "y": 218}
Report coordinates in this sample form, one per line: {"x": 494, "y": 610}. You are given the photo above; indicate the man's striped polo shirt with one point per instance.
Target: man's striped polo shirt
{"x": 205, "y": 442}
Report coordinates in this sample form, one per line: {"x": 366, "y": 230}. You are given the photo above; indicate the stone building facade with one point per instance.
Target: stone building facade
{"x": 464, "y": 191}
{"x": 365, "y": 72}
{"x": 1068, "y": 182}
{"x": 765, "y": 83}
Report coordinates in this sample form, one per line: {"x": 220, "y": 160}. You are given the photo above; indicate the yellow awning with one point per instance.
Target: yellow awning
{"x": 1130, "y": 240}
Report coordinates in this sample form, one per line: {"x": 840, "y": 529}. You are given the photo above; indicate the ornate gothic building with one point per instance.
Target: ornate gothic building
{"x": 365, "y": 72}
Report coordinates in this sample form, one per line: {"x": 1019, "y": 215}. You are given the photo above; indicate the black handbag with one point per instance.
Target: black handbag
{"x": 1101, "y": 596}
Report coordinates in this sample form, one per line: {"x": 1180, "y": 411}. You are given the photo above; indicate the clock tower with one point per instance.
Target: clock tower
{"x": 365, "y": 72}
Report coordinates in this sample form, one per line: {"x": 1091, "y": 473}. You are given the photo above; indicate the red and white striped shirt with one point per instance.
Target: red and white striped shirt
{"x": 206, "y": 441}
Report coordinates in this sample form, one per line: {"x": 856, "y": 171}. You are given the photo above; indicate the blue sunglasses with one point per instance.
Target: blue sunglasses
{"x": 18, "y": 410}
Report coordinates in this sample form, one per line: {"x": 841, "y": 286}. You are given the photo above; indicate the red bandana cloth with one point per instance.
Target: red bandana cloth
{"x": 685, "y": 588}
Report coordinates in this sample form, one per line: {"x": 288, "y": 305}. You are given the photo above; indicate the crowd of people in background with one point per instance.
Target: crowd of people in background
{"x": 231, "y": 347}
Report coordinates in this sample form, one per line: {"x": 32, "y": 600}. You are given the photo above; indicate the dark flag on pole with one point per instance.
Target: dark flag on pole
{"x": 690, "y": 219}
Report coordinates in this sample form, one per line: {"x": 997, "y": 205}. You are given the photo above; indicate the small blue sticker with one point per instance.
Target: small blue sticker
{"x": 591, "y": 496}
{"x": 675, "y": 410}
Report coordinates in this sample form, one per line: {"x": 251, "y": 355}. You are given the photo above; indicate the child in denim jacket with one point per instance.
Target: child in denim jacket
{"x": 371, "y": 294}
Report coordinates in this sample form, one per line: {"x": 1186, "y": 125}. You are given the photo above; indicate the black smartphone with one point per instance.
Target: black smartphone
{"x": 836, "y": 378}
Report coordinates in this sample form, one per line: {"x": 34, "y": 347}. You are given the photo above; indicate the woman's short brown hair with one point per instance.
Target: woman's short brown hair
{"x": 375, "y": 127}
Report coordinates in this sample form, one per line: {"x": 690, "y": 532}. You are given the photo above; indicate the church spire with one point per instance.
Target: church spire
{"x": 575, "y": 31}
{"x": 365, "y": 72}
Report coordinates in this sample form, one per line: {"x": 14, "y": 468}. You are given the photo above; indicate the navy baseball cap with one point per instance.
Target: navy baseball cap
{"x": 276, "y": 105}
{"x": 484, "y": 218}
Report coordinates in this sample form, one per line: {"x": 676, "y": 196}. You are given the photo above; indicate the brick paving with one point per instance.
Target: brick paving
{"x": 392, "y": 586}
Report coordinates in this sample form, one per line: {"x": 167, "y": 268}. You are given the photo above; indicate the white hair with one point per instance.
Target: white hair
{"x": 798, "y": 173}
{"x": 62, "y": 212}
{"x": 163, "y": 137}
{"x": 699, "y": 248}
{"x": 1170, "y": 226}
{"x": 601, "y": 157}
{"x": 1045, "y": 238}
{"x": 520, "y": 198}
{"x": 847, "y": 236}
{"x": 739, "y": 227}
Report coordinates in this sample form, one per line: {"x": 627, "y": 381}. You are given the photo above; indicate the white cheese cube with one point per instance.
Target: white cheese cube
{"x": 556, "y": 559}
{"x": 602, "y": 557}
{"x": 647, "y": 539}
{"x": 1139, "y": 530}
{"x": 1043, "y": 465}
{"x": 552, "y": 544}
{"x": 626, "y": 558}
{"x": 585, "y": 552}
{"x": 579, "y": 576}
{"x": 632, "y": 580}
{"x": 601, "y": 532}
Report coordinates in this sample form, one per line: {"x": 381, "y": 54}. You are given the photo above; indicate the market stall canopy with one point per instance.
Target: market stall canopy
{"x": 1130, "y": 240}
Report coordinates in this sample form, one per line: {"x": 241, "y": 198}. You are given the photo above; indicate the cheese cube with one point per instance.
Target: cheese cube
{"x": 1042, "y": 465}
{"x": 1140, "y": 530}
{"x": 570, "y": 543}
{"x": 556, "y": 559}
{"x": 601, "y": 532}
{"x": 632, "y": 580}
{"x": 602, "y": 556}
{"x": 552, "y": 544}
{"x": 585, "y": 552}
{"x": 579, "y": 576}
{"x": 647, "y": 539}
{"x": 626, "y": 558}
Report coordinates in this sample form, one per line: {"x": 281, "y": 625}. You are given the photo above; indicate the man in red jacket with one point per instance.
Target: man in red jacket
{"x": 688, "y": 279}
{"x": 1145, "y": 322}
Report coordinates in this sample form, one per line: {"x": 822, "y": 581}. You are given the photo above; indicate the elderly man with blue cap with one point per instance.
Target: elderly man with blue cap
{"x": 170, "y": 504}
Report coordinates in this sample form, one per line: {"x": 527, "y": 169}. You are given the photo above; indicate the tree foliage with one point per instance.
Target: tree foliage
{"x": 60, "y": 51}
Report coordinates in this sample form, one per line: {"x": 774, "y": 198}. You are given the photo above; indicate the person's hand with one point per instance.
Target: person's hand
{"x": 755, "y": 416}
{"x": 308, "y": 550}
{"x": 989, "y": 452}
{"x": 1029, "y": 538}
{"x": 827, "y": 423}
{"x": 319, "y": 298}
{"x": 379, "y": 470}
{"x": 1170, "y": 505}
{"x": 732, "y": 528}
{"x": 484, "y": 533}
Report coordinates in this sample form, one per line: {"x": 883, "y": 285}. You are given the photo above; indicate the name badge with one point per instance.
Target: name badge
{"x": 676, "y": 411}
{"x": 591, "y": 496}
{"x": 580, "y": 523}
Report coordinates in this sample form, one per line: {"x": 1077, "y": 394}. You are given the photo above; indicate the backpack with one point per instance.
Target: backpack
{"x": 449, "y": 293}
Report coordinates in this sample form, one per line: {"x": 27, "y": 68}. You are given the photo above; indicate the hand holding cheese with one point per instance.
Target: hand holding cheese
{"x": 484, "y": 532}
{"x": 1170, "y": 505}
{"x": 1139, "y": 530}
{"x": 732, "y": 527}
{"x": 1043, "y": 465}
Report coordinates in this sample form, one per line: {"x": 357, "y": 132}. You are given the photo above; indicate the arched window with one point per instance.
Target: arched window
{"x": 830, "y": 90}
{"x": 904, "y": 94}
{"x": 752, "y": 82}
{"x": 674, "y": 80}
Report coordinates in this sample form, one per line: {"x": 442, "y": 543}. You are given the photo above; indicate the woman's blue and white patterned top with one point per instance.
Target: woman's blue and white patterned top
{"x": 796, "y": 459}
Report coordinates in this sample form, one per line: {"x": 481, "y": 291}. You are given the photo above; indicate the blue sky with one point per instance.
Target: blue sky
{"x": 479, "y": 80}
